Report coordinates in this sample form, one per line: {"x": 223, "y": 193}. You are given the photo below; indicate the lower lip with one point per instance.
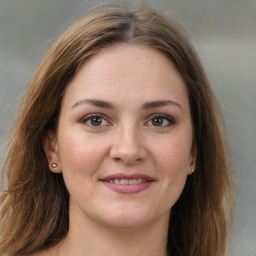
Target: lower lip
{"x": 128, "y": 189}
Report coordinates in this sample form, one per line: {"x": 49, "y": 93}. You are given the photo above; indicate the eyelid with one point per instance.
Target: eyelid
{"x": 89, "y": 116}
{"x": 170, "y": 119}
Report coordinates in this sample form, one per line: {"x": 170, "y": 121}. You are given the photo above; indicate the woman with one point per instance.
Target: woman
{"x": 118, "y": 148}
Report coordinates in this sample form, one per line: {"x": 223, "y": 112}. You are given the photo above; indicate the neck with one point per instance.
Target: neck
{"x": 89, "y": 238}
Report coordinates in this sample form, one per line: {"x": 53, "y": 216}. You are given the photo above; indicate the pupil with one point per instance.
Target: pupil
{"x": 96, "y": 121}
{"x": 157, "y": 121}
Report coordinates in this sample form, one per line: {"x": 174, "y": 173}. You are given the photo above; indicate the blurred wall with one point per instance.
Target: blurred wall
{"x": 224, "y": 35}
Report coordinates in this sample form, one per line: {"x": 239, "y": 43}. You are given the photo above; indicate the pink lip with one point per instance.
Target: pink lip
{"x": 127, "y": 176}
{"x": 127, "y": 189}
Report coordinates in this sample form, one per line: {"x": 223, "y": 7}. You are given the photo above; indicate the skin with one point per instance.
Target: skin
{"x": 133, "y": 135}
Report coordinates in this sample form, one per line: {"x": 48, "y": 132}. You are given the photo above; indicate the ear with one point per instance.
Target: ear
{"x": 51, "y": 150}
{"x": 192, "y": 160}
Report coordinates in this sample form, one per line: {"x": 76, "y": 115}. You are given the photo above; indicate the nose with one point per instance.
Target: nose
{"x": 128, "y": 146}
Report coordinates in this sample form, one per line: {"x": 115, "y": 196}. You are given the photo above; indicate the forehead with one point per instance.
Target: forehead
{"x": 123, "y": 71}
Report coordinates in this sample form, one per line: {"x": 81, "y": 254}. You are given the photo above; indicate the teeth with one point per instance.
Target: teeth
{"x": 127, "y": 182}
{"x": 133, "y": 182}
{"x": 117, "y": 181}
{"x": 124, "y": 182}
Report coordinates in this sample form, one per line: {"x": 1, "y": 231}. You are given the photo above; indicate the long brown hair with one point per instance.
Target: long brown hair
{"x": 34, "y": 203}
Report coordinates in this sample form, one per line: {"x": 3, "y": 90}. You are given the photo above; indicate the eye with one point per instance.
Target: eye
{"x": 160, "y": 120}
{"x": 95, "y": 120}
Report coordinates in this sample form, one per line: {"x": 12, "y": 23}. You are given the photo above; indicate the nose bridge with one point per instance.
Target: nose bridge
{"x": 128, "y": 145}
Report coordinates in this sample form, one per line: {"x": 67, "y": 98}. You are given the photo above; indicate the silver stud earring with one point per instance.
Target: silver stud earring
{"x": 54, "y": 165}
{"x": 193, "y": 170}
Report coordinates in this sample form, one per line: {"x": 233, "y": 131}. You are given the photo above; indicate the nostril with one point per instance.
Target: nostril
{"x": 128, "y": 156}
{"x": 127, "y": 161}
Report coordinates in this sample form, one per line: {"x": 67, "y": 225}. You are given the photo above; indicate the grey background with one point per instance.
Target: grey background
{"x": 223, "y": 33}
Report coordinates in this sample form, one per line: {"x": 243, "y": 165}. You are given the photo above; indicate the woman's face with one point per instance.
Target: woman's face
{"x": 124, "y": 139}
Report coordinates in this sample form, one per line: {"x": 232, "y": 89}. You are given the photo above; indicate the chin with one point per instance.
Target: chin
{"x": 127, "y": 217}
{"x": 125, "y": 222}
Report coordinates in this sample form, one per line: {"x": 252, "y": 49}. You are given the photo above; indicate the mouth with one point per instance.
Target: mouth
{"x": 127, "y": 181}
{"x": 124, "y": 183}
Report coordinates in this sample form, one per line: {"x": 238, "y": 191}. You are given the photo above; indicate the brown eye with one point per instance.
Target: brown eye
{"x": 157, "y": 121}
{"x": 96, "y": 121}
{"x": 161, "y": 121}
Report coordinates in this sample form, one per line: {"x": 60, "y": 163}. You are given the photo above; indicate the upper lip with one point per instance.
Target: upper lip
{"x": 120, "y": 176}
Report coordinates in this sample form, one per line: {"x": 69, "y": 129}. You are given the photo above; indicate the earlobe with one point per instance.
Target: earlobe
{"x": 192, "y": 162}
{"x": 51, "y": 150}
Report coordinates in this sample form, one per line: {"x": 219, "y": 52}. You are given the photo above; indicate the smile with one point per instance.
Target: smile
{"x": 127, "y": 184}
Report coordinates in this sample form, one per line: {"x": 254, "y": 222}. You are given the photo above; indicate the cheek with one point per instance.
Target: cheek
{"x": 80, "y": 157}
{"x": 174, "y": 153}
{"x": 80, "y": 154}
{"x": 173, "y": 159}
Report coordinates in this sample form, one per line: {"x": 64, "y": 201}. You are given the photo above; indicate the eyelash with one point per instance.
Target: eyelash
{"x": 89, "y": 118}
{"x": 170, "y": 120}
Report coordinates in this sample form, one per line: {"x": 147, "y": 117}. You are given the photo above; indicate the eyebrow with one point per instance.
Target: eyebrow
{"x": 160, "y": 103}
{"x": 106, "y": 104}
{"x": 94, "y": 102}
